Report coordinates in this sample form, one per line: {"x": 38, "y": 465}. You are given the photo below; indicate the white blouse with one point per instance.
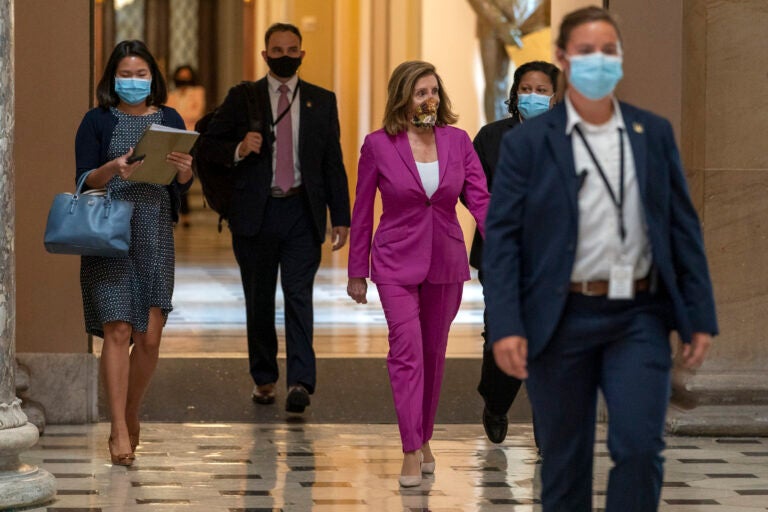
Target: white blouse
{"x": 430, "y": 176}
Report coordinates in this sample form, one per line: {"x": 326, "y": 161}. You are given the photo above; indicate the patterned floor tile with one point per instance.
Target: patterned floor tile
{"x": 354, "y": 468}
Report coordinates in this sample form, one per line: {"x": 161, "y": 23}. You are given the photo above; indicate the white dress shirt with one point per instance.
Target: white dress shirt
{"x": 429, "y": 172}
{"x": 599, "y": 244}
{"x": 274, "y": 97}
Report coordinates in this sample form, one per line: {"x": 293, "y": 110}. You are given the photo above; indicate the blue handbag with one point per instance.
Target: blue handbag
{"x": 88, "y": 224}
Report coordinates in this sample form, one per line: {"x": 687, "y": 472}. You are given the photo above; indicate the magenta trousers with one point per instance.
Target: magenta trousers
{"x": 418, "y": 317}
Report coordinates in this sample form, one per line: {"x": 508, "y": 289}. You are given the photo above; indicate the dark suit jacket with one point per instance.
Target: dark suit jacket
{"x": 532, "y": 226}
{"x": 487, "y": 143}
{"x": 322, "y": 168}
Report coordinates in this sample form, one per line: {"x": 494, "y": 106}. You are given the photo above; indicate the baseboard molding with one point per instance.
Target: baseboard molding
{"x": 719, "y": 420}
{"x": 65, "y": 384}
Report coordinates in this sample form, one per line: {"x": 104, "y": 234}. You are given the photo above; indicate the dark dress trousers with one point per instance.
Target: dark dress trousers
{"x": 270, "y": 233}
{"x": 497, "y": 389}
{"x": 578, "y": 344}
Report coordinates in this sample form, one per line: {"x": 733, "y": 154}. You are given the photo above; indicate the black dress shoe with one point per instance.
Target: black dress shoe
{"x": 297, "y": 400}
{"x": 495, "y": 426}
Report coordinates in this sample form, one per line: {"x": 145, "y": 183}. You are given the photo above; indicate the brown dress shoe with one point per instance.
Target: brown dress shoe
{"x": 264, "y": 394}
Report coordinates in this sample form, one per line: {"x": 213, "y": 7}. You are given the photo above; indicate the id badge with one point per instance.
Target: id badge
{"x": 621, "y": 283}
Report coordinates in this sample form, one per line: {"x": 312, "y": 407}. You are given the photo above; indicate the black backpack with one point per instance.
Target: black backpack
{"x": 217, "y": 180}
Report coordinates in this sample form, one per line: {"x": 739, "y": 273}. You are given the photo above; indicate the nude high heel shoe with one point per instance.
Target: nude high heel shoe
{"x": 134, "y": 439}
{"x": 411, "y": 480}
{"x": 133, "y": 436}
{"x": 427, "y": 468}
{"x": 120, "y": 459}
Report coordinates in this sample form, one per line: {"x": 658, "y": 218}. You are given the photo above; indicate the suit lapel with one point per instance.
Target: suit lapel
{"x": 443, "y": 151}
{"x": 403, "y": 148}
{"x": 636, "y": 134}
{"x": 562, "y": 151}
{"x": 306, "y": 106}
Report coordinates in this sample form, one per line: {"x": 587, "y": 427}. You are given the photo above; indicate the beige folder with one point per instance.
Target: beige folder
{"x": 155, "y": 143}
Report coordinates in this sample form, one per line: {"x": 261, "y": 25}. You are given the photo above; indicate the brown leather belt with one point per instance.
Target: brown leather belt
{"x": 597, "y": 288}
{"x": 278, "y": 193}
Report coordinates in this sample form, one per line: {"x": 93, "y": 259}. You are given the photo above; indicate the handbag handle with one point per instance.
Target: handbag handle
{"x": 78, "y": 192}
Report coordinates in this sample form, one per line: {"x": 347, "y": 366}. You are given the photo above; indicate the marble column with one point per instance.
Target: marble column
{"x": 20, "y": 484}
{"x": 701, "y": 64}
{"x": 724, "y": 122}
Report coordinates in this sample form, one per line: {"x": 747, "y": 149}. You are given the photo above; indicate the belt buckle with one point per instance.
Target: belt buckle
{"x": 585, "y": 290}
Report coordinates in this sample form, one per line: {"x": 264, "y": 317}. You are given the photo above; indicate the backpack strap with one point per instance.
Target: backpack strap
{"x": 252, "y": 105}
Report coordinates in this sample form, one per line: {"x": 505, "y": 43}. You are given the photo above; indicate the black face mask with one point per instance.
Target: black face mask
{"x": 285, "y": 66}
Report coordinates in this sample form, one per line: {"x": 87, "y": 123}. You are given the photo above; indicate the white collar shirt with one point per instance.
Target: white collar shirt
{"x": 274, "y": 97}
{"x": 599, "y": 244}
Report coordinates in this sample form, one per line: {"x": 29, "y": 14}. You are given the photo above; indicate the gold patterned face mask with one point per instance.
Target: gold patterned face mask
{"x": 426, "y": 113}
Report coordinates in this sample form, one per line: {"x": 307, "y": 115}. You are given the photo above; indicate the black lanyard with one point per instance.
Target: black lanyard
{"x": 288, "y": 108}
{"x": 618, "y": 203}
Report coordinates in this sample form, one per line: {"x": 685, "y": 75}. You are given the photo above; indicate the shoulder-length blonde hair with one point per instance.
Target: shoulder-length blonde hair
{"x": 400, "y": 91}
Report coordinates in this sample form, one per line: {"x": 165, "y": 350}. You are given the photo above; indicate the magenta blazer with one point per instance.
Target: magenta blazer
{"x": 419, "y": 238}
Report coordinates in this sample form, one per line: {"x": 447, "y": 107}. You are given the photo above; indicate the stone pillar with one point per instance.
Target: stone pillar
{"x": 20, "y": 484}
{"x": 701, "y": 64}
{"x": 724, "y": 122}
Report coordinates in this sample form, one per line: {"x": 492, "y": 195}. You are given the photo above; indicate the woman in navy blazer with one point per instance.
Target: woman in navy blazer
{"x": 127, "y": 300}
{"x": 593, "y": 255}
{"x": 417, "y": 257}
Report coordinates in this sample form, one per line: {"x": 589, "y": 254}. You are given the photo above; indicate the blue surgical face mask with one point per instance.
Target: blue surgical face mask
{"x": 532, "y": 105}
{"x": 132, "y": 90}
{"x": 595, "y": 75}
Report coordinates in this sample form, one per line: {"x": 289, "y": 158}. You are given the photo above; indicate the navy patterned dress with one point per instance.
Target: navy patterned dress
{"x": 126, "y": 288}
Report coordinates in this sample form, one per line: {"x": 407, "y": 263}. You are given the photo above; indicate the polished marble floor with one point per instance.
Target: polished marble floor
{"x": 289, "y": 465}
{"x": 218, "y": 467}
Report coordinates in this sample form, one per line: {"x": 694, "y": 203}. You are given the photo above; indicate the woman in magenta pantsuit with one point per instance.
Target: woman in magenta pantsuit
{"x": 417, "y": 257}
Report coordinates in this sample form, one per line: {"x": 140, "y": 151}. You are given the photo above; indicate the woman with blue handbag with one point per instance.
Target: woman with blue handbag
{"x": 127, "y": 300}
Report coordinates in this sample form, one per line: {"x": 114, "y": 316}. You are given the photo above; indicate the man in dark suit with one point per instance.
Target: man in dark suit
{"x": 532, "y": 79}
{"x": 290, "y": 174}
{"x": 596, "y": 255}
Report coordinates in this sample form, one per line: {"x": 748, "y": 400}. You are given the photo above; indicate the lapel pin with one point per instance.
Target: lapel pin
{"x": 308, "y": 104}
{"x": 638, "y": 127}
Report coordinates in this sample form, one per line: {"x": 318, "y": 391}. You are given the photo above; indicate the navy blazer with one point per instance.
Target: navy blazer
{"x": 532, "y": 227}
{"x": 92, "y": 144}
{"x": 322, "y": 167}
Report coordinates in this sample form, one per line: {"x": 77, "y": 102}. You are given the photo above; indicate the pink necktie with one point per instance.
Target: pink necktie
{"x": 284, "y": 167}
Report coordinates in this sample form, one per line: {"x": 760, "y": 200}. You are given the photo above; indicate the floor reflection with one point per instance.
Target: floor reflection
{"x": 237, "y": 467}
